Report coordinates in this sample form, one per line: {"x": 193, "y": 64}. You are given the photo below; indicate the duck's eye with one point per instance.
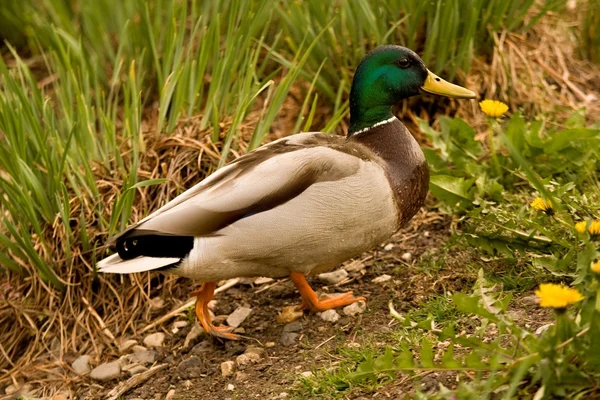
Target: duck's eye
{"x": 403, "y": 62}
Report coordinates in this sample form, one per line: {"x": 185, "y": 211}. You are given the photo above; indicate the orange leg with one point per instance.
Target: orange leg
{"x": 311, "y": 301}
{"x": 203, "y": 296}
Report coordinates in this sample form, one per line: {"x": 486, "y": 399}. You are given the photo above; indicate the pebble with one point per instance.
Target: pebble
{"x": 212, "y": 304}
{"x": 293, "y": 327}
{"x": 227, "y": 368}
{"x": 144, "y": 357}
{"x": 154, "y": 339}
{"x": 202, "y": 347}
{"x": 230, "y": 387}
{"x": 188, "y": 385}
{"x": 11, "y": 389}
{"x": 191, "y": 362}
{"x": 137, "y": 348}
{"x": 283, "y": 395}
{"x": 236, "y": 318}
{"x": 157, "y": 303}
{"x": 288, "y": 338}
{"x": 134, "y": 369}
{"x": 355, "y": 308}
{"x": 262, "y": 280}
{"x": 333, "y": 277}
{"x": 81, "y": 366}
{"x": 170, "y": 394}
{"x": 106, "y": 372}
{"x": 406, "y": 257}
{"x": 191, "y": 367}
{"x": 289, "y": 314}
{"x": 194, "y": 334}
{"x": 241, "y": 376}
{"x": 388, "y": 247}
{"x": 382, "y": 278}
{"x": 127, "y": 345}
{"x": 177, "y": 325}
{"x": 256, "y": 350}
{"x": 306, "y": 374}
{"x": 543, "y": 328}
{"x": 246, "y": 359}
{"x": 269, "y": 344}
{"x": 330, "y": 316}
{"x": 530, "y": 300}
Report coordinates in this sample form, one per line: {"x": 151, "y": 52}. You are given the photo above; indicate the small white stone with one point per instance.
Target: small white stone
{"x": 188, "y": 384}
{"x": 137, "y": 348}
{"x": 144, "y": 357}
{"x": 247, "y": 358}
{"x": 330, "y": 315}
{"x": 543, "y": 329}
{"x": 270, "y": 344}
{"x": 230, "y": 387}
{"x": 236, "y": 318}
{"x": 157, "y": 303}
{"x": 262, "y": 280}
{"x": 355, "y": 308}
{"x": 406, "y": 257}
{"x": 11, "y": 389}
{"x": 106, "y": 372}
{"x": 283, "y": 395}
{"x": 306, "y": 374}
{"x": 170, "y": 394}
{"x": 134, "y": 369}
{"x": 194, "y": 334}
{"x": 333, "y": 277}
{"x": 81, "y": 366}
{"x": 154, "y": 339}
{"x": 257, "y": 350}
{"x": 127, "y": 345}
{"x": 382, "y": 278}
{"x": 227, "y": 368}
{"x": 212, "y": 304}
{"x": 389, "y": 247}
{"x": 177, "y": 325}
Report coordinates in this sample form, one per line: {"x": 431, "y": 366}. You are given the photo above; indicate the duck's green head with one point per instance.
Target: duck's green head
{"x": 387, "y": 75}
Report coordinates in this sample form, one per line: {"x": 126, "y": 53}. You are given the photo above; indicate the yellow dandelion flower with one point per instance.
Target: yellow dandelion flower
{"x": 544, "y": 205}
{"x": 580, "y": 226}
{"x": 594, "y": 228}
{"x": 595, "y": 267}
{"x": 493, "y": 108}
{"x": 557, "y": 296}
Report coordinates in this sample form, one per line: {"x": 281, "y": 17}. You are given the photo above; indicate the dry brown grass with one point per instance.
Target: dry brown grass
{"x": 41, "y": 329}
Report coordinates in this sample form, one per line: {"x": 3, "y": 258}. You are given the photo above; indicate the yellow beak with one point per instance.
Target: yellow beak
{"x": 436, "y": 85}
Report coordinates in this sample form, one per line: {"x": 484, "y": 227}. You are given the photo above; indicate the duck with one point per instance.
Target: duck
{"x": 299, "y": 205}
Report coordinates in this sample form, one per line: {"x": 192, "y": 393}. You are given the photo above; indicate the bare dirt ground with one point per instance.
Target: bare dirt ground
{"x": 281, "y": 366}
{"x": 194, "y": 372}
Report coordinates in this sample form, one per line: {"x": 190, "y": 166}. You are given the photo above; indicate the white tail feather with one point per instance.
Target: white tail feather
{"x": 115, "y": 265}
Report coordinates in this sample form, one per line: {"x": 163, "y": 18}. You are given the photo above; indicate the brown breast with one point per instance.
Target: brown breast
{"x": 404, "y": 164}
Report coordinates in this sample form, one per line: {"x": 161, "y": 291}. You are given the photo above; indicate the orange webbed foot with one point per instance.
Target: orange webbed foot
{"x": 203, "y": 296}
{"x": 311, "y": 302}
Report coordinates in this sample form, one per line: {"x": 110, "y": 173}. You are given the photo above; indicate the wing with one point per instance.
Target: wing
{"x": 254, "y": 183}
{"x": 257, "y": 182}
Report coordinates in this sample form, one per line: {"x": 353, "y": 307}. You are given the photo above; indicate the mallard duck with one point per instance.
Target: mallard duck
{"x": 299, "y": 205}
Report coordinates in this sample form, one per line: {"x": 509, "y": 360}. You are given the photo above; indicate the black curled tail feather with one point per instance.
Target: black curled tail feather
{"x": 154, "y": 245}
